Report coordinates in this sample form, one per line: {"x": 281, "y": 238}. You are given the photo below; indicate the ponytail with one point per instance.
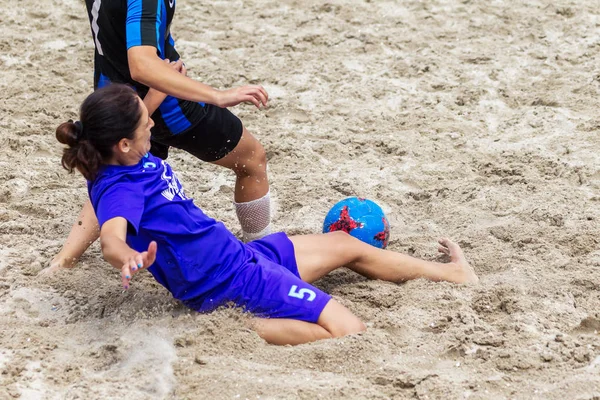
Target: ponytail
{"x": 80, "y": 154}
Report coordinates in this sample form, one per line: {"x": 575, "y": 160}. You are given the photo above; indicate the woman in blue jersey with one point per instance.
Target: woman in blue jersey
{"x": 147, "y": 222}
{"x": 131, "y": 40}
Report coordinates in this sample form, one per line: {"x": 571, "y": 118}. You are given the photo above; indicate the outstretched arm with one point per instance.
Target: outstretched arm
{"x": 147, "y": 68}
{"x": 119, "y": 254}
{"x": 83, "y": 233}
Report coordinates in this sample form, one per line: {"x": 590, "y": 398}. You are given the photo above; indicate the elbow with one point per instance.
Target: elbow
{"x": 144, "y": 64}
{"x": 137, "y": 72}
{"x": 140, "y": 67}
{"x": 103, "y": 245}
{"x": 106, "y": 249}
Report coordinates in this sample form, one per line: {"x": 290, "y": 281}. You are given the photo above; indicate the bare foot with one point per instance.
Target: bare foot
{"x": 464, "y": 272}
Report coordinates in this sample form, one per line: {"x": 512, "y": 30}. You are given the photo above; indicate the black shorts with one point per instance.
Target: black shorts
{"x": 210, "y": 138}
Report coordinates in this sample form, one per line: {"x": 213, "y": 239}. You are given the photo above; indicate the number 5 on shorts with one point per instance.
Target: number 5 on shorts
{"x": 294, "y": 292}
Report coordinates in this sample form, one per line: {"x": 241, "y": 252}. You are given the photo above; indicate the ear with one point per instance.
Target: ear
{"x": 124, "y": 145}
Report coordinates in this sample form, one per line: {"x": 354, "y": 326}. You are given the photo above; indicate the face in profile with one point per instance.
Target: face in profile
{"x": 132, "y": 150}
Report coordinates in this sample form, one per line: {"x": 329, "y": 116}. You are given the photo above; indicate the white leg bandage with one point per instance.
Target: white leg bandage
{"x": 254, "y": 217}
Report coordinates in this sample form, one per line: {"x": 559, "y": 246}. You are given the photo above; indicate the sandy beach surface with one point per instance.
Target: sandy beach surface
{"x": 472, "y": 119}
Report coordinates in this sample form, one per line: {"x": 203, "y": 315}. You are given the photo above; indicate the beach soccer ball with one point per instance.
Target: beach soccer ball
{"x": 361, "y": 218}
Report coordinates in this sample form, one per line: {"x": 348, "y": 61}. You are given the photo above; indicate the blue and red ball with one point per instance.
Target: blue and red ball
{"x": 361, "y": 218}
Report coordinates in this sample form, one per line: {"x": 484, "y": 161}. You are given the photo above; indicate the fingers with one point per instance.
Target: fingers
{"x": 151, "y": 253}
{"x": 126, "y": 274}
{"x": 177, "y": 65}
{"x": 265, "y": 94}
{"x": 251, "y": 99}
{"x": 137, "y": 262}
{"x": 131, "y": 266}
{"x": 147, "y": 258}
{"x": 259, "y": 94}
{"x": 254, "y": 94}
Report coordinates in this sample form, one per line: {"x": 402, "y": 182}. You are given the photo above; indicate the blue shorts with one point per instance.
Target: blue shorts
{"x": 269, "y": 286}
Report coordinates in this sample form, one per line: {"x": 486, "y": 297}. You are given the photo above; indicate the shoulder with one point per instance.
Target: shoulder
{"x": 112, "y": 179}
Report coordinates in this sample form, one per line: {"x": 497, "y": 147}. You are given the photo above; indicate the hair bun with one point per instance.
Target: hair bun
{"x": 67, "y": 133}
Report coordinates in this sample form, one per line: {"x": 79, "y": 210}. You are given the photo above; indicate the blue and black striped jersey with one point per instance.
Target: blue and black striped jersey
{"x": 118, "y": 25}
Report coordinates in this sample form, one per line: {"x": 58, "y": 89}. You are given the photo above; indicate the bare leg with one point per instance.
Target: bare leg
{"x": 317, "y": 255}
{"x": 249, "y": 162}
{"x": 84, "y": 232}
{"x": 335, "y": 321}
{"x": 252, "y": 201}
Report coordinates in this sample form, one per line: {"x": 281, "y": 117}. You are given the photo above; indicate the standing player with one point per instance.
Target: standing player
{"x": 132, "y": 38}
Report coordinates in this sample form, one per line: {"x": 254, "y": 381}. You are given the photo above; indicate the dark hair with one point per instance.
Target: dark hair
{"x": 106, "y": 116}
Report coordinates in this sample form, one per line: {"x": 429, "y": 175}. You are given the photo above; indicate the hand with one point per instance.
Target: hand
{"x": 178, "y": 66}
{"x": 254, "y": 94}
{"x": 56, "y": 265}
{"x": 136, "y": 262}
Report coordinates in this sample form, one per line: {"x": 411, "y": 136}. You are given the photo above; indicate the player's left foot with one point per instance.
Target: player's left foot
{"x": 463, "y": 272}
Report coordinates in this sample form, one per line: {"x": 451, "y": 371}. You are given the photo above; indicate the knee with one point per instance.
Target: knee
{"x": 349, "y": 328}
{"x": 340, "y": 236}
{"x": 338, "y": 321}
{"x": 252, "y": 162}
{"x": 348, "y": 247}
{"x": 259, "y": 158}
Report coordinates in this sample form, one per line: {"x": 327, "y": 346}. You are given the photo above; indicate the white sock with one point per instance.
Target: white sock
{"x": 254, "y": 217}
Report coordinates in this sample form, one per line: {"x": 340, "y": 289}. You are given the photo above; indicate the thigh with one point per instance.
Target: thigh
{"x": 248, "y": 151}
{"x": 269, "y": 290}
{"x": 277, "y": 248}
{"x": 339, "y": 321}
{"x": 318, "y": 255}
